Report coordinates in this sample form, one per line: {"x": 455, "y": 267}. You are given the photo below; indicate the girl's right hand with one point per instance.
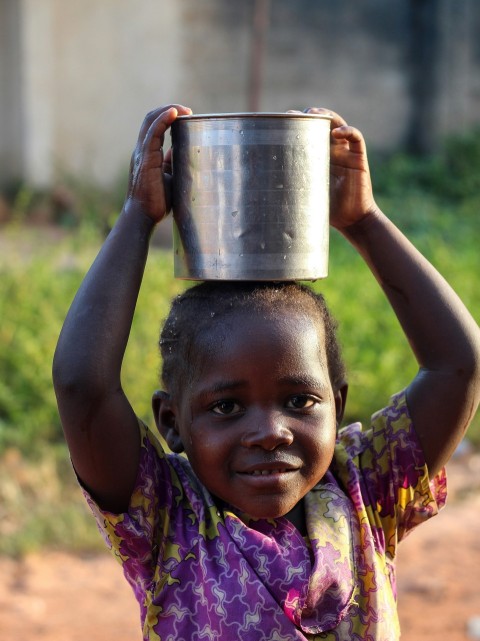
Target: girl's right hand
{"x": 149, "y": 184}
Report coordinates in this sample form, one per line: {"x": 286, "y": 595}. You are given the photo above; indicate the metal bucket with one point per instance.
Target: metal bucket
{"x": 251, "y": 196}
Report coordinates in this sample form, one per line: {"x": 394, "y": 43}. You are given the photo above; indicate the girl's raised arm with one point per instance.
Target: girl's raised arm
{"x": 99, "y": 424}
{"x": 444, "y": 337}
{"x": 444, "y": 396}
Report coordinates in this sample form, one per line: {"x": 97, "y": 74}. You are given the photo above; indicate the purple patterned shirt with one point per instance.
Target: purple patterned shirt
{"x": 203, "y": 571}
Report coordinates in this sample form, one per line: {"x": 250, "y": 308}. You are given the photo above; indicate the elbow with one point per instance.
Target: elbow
{"x": 76, "y": 383}
{"x": 60, "y": 372}
{"x": 65, "y": 375}
{"x": 475, "y": 377}
{"x": 68, "y": 385}
{"x": 474, "y": 364}
{"x": 66, "y": 382}
{"x": 466, "y": 358}
{"x": 469, "y": 373}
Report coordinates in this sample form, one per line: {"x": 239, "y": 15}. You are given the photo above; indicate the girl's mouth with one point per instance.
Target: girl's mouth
{"x": 268, "y": 472}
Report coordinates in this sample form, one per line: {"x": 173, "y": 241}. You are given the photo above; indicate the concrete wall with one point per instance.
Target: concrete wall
{"x": 77, "y": 77}
{"x": 348, "y": 56}
{"x": 10, "y": 90}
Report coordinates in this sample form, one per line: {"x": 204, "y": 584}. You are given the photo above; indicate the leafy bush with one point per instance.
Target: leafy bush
{"x": 38, "y": 279}
{"x": 71, "y": 204}
{"x": 451, "y": 174}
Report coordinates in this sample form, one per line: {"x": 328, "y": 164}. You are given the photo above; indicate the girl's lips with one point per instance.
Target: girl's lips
{"x": 269, "y": 467}
{"x": 267, "y": 472}
{"x": 273, "y": 479}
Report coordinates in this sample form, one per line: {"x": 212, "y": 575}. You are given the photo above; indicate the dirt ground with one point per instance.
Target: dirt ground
{"x": 60, "y": 597}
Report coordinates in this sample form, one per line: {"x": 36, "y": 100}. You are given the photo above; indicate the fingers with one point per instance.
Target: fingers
{"x": 167, "y": 162}
{"x": 152, "y": 131}
{"x": 336, "y": 119}
{"x": 321, "y": 111}
{"x": 156, "y": 113}
{"x": 353, "y": 137}
{"x": 156, "y": 124}
{"x": 154, "y": 137}
{"x": 342, "y": 133}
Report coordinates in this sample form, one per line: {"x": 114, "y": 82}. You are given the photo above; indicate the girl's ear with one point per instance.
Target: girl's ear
{"x": 166, "y": 420}
{"x": 340, "y": 402}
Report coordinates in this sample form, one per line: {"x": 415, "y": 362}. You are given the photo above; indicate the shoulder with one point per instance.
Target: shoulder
{"x": 167, "y": 470}
{"x": 392, "y": 425}
{"x": 384, "y": 471}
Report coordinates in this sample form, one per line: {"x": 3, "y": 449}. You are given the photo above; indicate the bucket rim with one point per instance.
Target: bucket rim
{"x": 254, "y": 114}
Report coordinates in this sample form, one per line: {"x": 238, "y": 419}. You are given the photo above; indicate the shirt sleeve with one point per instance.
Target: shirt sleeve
{"x": 387, "y": 475}
{"x": 136, "y": 537}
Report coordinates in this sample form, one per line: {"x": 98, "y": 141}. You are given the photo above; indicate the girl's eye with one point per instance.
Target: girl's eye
{"x": 301, "y": 402}
{"x": 226, "y": 407}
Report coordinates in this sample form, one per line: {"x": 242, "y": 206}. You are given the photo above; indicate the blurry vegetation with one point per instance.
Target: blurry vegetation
{"x": 452, "y": 174}
{"x": 435, "y": 200}
{"x": 71, "y": 204}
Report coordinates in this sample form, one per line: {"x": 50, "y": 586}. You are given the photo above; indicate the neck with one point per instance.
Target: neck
{"x": 296, "y": 516}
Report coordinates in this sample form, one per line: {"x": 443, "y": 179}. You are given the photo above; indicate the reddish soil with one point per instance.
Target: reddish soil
{"x": 58, "y": 596}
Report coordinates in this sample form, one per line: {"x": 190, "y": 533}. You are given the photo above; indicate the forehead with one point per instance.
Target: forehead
{"x": 260, "y": 307}
{"x": 283, "y": 337}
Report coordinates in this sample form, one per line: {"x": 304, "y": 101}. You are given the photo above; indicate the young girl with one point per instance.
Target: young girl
{"x": 275, "y": 526}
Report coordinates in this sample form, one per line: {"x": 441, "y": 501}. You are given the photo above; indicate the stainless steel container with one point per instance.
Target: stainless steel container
{"x": 251, "y": 196}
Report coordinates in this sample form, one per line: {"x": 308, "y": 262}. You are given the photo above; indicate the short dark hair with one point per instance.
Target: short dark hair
{"x": 193, "y": 312}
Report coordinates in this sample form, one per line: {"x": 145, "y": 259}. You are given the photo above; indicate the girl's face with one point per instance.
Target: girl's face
{"x": 258, "y": 422}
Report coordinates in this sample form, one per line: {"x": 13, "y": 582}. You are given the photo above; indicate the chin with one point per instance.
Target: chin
{"x": 262, "y": 511}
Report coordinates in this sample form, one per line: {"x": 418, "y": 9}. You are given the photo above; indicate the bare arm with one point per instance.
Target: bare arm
{"x": 445, "y": 339}
{"x": 99, "y": 424}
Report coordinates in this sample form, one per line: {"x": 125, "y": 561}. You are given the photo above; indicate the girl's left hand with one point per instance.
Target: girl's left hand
{"x": 351, "y": 195}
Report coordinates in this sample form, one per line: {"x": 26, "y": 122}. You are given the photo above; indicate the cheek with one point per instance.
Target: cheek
{"x": 323, "y": 444}
{"x": 206, "y": 446}
{"x": 209, "y": 457}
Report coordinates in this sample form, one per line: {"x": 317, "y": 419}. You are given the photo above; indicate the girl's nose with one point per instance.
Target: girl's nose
{"x": 267, "y": 430}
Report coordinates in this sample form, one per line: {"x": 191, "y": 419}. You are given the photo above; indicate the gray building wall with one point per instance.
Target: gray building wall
{"x": 10, "y": 89}
{"x": 77, "y": 77}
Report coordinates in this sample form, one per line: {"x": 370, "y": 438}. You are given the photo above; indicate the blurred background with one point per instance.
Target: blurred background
{"x": 76, "y": 79}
